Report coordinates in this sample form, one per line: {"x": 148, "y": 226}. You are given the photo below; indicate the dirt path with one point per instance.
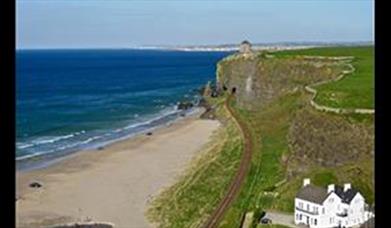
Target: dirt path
{"x": 237, "y": 182}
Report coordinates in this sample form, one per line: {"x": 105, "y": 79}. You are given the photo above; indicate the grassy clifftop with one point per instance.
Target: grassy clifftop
{"x": 291, "y": 139}
{"x": 264, "y": 78}
{"x": 355, "y": 90}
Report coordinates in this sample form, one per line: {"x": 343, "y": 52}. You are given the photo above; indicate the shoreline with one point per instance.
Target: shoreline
{"x": 48, "y": 159}
{"x": 120, "y": 178}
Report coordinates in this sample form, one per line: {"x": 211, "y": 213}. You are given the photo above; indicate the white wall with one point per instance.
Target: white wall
{"x": 307, "y": 206}
{"x": 332, "y": 205}
{"x": 356, "y": 210}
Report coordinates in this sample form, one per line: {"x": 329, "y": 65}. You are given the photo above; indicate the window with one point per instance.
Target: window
{"x": 323, "y": 210}
{"x": 331, "y": 200}
{"x": 315, "y": 209}
{"x": 301, "y": 205}
{"x": 308, "y": 207}
{"x": 315, "y": 222}
{"x": 300, "y": 216}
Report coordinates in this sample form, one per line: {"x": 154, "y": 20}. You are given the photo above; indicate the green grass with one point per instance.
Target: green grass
{"x": 269, "y": 128}
{"x": 271, "y": 226}
{"x": 358, "y": 174}
{"x": 355, "y": 90}
{"x": 190, "y": 201}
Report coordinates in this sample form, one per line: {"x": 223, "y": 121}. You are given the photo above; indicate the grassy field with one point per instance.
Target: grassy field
{"x": 271, "y": 226}
{"x": 268, "y": 186}
{"x": 356, "y": 90}
{"x": 269, "y": 128}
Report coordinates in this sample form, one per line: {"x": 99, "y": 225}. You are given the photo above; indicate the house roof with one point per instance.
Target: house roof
{"x": 347, "y": 196}
{"x": 312, "y": 193}
{"x": 317, "y": 194}
{"x": 246, "y": 42}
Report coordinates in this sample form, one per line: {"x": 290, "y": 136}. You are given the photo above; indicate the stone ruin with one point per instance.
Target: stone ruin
{"x": 245, "y": 47}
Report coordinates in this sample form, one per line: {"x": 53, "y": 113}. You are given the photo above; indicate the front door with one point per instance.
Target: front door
{"x": 308, "y": 220}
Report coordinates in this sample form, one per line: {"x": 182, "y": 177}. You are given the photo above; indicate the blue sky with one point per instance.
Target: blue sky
{"x": 129, "y": 23}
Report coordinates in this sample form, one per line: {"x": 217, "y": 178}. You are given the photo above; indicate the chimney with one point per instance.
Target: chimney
{"x": 330, "y": 188}
{"x": 346, "y": 187}
{"x": 306, "y": 181}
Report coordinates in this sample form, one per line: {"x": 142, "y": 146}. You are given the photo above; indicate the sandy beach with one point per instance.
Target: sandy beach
{"x": 114, "y": 184}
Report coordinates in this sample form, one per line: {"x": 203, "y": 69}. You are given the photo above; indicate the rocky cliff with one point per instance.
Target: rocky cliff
{"x": 259, "y": 78}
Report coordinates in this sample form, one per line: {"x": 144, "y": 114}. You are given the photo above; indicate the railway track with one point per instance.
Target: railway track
{"x": 241, "y": 174}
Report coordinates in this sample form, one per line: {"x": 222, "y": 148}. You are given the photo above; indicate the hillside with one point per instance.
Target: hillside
{"x": 291, "y": 139}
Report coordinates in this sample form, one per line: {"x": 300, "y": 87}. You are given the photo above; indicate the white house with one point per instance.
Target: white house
{"x": 333, "y": 206}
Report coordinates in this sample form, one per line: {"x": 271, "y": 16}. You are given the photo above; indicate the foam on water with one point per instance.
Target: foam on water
{"x": 80, "y": 99}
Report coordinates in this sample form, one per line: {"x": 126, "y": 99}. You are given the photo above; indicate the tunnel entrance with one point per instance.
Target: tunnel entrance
{"x": 233, "y": 91}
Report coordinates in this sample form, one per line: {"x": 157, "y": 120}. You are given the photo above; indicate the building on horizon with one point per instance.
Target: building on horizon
{"x": 245, "y": 47}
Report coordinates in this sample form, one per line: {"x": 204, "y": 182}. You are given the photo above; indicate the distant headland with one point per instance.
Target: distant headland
{"x": 254, "y": 46}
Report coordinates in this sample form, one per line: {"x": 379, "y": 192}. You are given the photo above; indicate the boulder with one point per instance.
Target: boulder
{"x": 184, "y": 105}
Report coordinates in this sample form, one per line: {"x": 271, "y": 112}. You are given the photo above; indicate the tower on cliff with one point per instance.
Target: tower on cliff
{"x": 245, "y": 47}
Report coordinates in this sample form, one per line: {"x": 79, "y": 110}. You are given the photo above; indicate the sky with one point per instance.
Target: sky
{"x": 132, "y": 23}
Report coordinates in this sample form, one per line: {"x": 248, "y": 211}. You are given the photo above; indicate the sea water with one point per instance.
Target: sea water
{"x": 70, "y": 100}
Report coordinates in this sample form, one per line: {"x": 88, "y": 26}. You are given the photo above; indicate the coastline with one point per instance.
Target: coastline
{"x": 120, "y": 178}
{"x": 43, "y": 160}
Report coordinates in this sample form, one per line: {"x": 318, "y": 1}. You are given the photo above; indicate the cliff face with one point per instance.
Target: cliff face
{"x": 259, "y": 79}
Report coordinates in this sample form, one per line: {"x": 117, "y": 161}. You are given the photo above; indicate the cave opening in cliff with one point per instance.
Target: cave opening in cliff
{"x": 233, "y": 91}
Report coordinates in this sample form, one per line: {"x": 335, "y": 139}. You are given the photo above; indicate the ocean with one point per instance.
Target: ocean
{"x": 70, "y": 100}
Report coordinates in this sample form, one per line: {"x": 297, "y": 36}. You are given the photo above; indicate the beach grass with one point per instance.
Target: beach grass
{"x": 269, "y": 128}
{"x": 268, "y": 185}
{"x": 192, "y": 199}
{"x": 355, "y": 90}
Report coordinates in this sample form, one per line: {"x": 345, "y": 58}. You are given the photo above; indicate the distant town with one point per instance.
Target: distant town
{"x": 255, "y": 46}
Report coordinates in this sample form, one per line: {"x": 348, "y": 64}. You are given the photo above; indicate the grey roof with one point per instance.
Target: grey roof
{"x": 347, "y": 196}
{"x": 312, "y": 193}
{"x": 318, "y": 194}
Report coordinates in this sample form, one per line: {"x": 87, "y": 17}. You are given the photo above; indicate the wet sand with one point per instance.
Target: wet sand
{"x": 114, "y": 184}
